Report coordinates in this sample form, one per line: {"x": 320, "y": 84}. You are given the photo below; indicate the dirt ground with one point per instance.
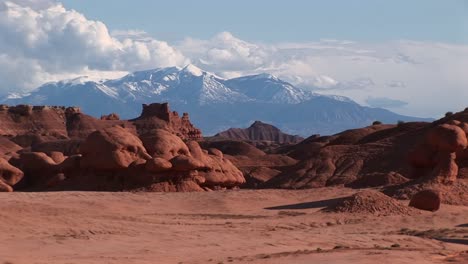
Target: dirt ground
{"x": 248, "y": 226}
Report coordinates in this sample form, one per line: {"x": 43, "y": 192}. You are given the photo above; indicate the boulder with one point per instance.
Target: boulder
{"x": 111, "y": 148}
{"x": 163, "y": 144}
{"x": 428, "y": 200}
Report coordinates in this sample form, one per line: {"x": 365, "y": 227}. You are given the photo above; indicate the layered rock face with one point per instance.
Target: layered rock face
{"x": 154, "y": 152}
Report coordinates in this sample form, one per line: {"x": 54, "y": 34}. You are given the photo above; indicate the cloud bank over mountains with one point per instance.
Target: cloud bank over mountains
{"x": 43, "y": 41}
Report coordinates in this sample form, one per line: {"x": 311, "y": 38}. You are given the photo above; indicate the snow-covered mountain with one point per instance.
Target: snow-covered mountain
{"x": 214, "y": 103}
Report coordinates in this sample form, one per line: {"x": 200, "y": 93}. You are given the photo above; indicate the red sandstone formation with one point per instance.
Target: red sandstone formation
{"x": 114, "y": 159}
{"x": 58, "y": 148}
{"x": 29, "y": 125}
{"x": 158, "y": 116}
{"x": 111, "y": 148}
{"x": 259, "y": 132}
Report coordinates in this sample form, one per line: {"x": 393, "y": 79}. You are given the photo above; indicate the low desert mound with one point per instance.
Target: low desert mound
{"x": 370, "y": 202}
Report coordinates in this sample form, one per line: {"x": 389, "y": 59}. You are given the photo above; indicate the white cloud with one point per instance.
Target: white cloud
{"x": 43, "y": 39}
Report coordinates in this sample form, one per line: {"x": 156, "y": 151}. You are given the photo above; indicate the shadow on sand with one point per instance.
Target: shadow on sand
{"x": 453, "y": 240}
{"x": 308, "y": 205}
{"x": 462, "y": 225}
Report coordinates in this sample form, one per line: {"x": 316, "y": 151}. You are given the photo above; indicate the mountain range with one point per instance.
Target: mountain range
{"x": 214, "y": 103}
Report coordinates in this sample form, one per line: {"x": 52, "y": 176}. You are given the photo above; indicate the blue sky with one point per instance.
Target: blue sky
{"x": 295, "y": 20}
{"x": 409, "y": 56}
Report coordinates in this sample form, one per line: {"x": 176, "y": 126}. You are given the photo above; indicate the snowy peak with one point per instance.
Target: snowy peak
{"x": 187, "y": 85}
{"x": 193, "y": 70}
{"x": 268, "y": 88}
{"x": 264, "y": 76}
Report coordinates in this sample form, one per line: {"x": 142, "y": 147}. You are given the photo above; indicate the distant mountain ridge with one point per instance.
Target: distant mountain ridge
{"x": 260, "y": 131}
{"x": 215, "y": 104}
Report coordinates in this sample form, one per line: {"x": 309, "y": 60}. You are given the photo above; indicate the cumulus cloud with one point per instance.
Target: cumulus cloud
{"x": 48, "y": 40}
{"x": 226, "y": 53}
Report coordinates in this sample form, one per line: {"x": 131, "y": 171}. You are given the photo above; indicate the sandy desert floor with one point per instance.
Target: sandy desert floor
{"x": 261, "y": 226}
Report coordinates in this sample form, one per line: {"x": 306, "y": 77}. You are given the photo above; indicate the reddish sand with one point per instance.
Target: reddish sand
{"x": 220, "y": 227}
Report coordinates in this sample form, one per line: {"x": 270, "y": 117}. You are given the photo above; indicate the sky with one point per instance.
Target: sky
{"x": 295, "y": 20}
{"x": 406, "y": 56}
